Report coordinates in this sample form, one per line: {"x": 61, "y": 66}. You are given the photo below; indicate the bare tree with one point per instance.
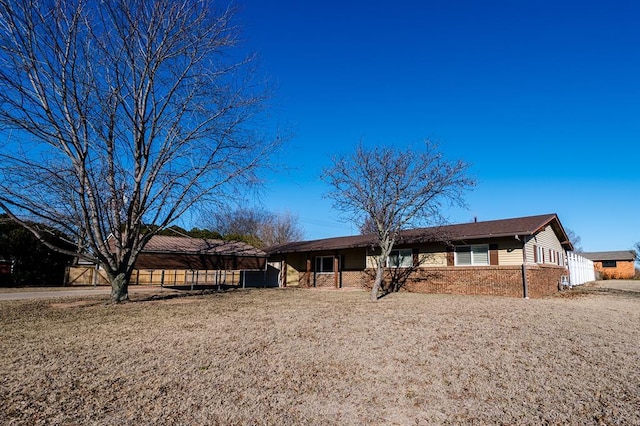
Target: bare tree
{"x": 238, "y": 222}
{"x": 119, "y": 113}
{"x": 281, "y": 228}
{"x": 368, "y": 227}
{"x": 256, "y": 226}
{"x": 390, "y": 189}
{"x": 575, "y": 240}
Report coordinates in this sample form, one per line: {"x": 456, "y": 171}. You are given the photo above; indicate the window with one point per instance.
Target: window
{"x": 400, "y": 259}
{"x": 472, "y": 255}
{"x": 609, "y": 263}
{"x": 324, "y": 264}
{"x": 539, "y": 254}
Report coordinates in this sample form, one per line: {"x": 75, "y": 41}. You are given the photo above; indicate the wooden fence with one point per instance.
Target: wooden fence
{"x": 90, "y": 275}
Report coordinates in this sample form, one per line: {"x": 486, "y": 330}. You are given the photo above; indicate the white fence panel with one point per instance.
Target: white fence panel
{"x": 580, "y": 269}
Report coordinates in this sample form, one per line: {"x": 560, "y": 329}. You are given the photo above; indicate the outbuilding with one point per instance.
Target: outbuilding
{"x": 185, "y": 261}
{"x": 613, "y": 264}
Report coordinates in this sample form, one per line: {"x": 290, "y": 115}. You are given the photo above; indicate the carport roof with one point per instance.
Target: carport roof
{"x": 171, "y": 252}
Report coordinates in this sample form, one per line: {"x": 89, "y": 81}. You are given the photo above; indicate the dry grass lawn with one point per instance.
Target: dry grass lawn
{"x": 283, "y": 357}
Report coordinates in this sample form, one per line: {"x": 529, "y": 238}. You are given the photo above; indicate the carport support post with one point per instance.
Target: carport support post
{"x": 96, "y": 271}
{"x": 308, "y": 274}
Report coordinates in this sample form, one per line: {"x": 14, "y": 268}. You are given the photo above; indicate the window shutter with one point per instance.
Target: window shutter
{"x": 450, "y": 258}
{"x": 535, "y": 253}
{"x": 493, "y": 254}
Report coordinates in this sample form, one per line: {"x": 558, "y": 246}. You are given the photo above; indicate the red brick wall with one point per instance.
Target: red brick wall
{"x": 324, "y": 280}
{"x": 355, "y": 279}
{"x": 507, "y": 281}
{"x": 350, "y": 279}
{"x": 477, "y": 280}
{"x": 543, "y": 279}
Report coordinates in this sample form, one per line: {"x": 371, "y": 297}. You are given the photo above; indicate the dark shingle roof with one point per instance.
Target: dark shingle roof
{"x": 465, "y": 231}
{"x": 629, "y": 255}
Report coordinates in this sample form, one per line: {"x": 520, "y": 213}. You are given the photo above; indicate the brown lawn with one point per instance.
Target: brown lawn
{"x": 282, "y": 357}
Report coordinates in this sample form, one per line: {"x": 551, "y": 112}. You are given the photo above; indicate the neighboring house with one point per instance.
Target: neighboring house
{"x": 613, "y": 264}
{"x": 169, "y": 260}
{"x": 519, "y": 257}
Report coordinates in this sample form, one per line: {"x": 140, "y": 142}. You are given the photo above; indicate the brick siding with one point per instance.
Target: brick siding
{"x": 507, "y": 281}
{"x": 623, "y": 270}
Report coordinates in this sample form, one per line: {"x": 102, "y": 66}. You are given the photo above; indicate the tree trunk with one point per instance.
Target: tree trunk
{"x": 377, "y": 284}
{"x": 120, "y": 287}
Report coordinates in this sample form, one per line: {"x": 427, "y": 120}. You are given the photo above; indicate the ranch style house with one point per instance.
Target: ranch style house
{"x": 517, "y": 257}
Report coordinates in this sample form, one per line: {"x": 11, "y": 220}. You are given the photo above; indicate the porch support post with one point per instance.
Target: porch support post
{"x": 283, "y": 271}
{"x": 336, "y": 273}
{"x": 525, "y": 283}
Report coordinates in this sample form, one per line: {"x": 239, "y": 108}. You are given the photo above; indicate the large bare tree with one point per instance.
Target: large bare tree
{"x": 389, "y": 189}
{"x": 119, "y": 113}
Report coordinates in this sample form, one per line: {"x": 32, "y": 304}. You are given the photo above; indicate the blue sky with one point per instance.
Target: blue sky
{"x": 542, "y": 98}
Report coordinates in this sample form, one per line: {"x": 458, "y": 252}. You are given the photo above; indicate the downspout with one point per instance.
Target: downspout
{"x": 525, "y": 283}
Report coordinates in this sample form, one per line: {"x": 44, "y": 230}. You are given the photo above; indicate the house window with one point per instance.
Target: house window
{"x": 539, "y": 254}
{"x": 472, "y": 255}
{"x": 324, "y": 264}
{"x": 400, "y": 259}
{"x": 609, "y": 263}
